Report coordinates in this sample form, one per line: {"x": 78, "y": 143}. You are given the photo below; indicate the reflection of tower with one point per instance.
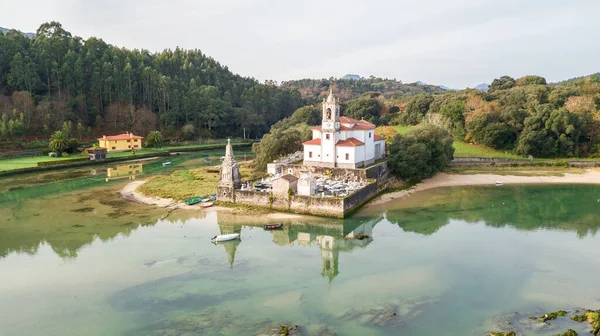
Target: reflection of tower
{"x": 227, "y": 226}
{"x": 231, "y": 248}
{"x": 329, "y": 257}
{"x": 284, "y": 237}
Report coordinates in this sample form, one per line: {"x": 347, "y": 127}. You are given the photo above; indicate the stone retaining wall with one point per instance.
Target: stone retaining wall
{"x": 310, "y": 205}
{"x": 377, "y": 171}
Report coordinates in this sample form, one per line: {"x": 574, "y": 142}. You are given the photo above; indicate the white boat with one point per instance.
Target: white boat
{"x": 166, "y": 164}
{"x": 227, "y": 237}
{"x": 499, "y": 183}
{"x": 206, "y": 204}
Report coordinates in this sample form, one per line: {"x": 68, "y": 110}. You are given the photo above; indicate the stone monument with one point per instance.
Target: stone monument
{"x": 229, "y": 178}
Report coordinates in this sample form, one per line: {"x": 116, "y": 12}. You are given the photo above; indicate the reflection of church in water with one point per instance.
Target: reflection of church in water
{"x": 330, "y": 239}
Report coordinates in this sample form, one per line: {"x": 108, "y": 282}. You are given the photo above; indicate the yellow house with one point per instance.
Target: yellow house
{"x": 121, "y": 142}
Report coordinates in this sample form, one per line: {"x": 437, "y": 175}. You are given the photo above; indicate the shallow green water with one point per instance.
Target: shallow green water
{"x": 78, "y": 260}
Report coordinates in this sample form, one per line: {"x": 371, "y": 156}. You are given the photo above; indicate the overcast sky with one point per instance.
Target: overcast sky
{"x": 457, "y": 43}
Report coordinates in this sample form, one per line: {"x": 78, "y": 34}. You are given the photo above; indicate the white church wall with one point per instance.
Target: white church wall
{"x": 316, "y": 134}
{"x": 360, "y": 154}
{"x": 312, "y": 153}
{"x": 381, "y": 153}
{"x": 343, "y": 151}
{"x": 359, "y": 135}
{"x": 369, "y": 145}
{"x": 328, "y": 147}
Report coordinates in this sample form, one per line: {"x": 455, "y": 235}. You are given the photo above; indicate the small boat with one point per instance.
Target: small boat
{"x": 499, "y": 183}
{"x": 207, "y": 159}
{"x": 166, "y": 164}
{"x": 273, "y": 226}
{"x": 227, "y": 237}
{"x": 206, "y": 204}
{"x": 213, "y": 197}
{"x": 194, "y": 200}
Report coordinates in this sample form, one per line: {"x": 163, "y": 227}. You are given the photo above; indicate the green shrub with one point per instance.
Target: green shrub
{"x": 420, "y": 153}
{"x": 59, "y": 162}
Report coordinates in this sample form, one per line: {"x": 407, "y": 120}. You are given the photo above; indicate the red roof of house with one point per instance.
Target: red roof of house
{"x": 350, "y": 142}
{"x": 288, "y": 177}
{"x": 379, "y": 138}
{"x": 348, "y": 120}
{"x": 363, "y": 123}
{"x": 360, "y": 126}
{"x": 312, "y": 142}
{"x": 124, "y": 136}
{"x": 342, "y": 128}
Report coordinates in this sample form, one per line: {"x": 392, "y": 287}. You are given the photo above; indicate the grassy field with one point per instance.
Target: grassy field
{"x": 463, "y": 149}
{"x": 184, "y": 184}
{"x": 174, "y": 148}
{"x": 402, "y": 129}
{"x": 28, "y": 162}
{"x": 32, "y": 161}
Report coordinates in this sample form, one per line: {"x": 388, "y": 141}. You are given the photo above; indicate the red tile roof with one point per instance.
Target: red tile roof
{"x": 342, "y": 128}
{"x": 379, "y": 138}
{"x": 312, "y": 142}
{"x": 288, "y": 177}
{"x": 348, "y": 120}
{"x": 361, "y": 125}
{"x": 350, "y": 142}
{"x": 124, "y": 136}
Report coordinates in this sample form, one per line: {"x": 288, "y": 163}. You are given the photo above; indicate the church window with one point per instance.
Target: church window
{"x": 347, "y": 156}
{"x": 369, "y": 134}
{"x": 328, "y": 116}
{"x": 310, "y": 154}
{"x": 327, "y": 136}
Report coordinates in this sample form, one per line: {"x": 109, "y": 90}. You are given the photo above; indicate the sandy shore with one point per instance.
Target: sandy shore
{"x": 128, "y": 192}
{"x": 451, "y": 180}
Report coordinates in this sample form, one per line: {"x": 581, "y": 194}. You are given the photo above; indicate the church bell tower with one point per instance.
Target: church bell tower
{"x": 331, "y": 113}
{"x": 330, "y": 127}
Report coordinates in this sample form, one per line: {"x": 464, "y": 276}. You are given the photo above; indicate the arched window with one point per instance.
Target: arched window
{"x": 328, "y": 113}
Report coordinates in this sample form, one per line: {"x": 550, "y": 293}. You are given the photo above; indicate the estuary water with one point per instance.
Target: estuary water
{"x": 76, "y": 259}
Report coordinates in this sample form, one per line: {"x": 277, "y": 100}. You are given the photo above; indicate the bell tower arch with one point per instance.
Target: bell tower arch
{"x": 331, "y": 113}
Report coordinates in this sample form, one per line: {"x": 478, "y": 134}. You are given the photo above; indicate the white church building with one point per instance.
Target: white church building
{"x": 341, "y": 141}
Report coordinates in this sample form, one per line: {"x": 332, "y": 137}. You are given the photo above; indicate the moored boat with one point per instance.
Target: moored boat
{"x": 226, "y": 237}
{"x": 273, "y": 226}
{"x": 499, "y": 183}
{"x": 166, "y": 164}
{"x": 206, "y": 204}
{"x": 194, "y": 200}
